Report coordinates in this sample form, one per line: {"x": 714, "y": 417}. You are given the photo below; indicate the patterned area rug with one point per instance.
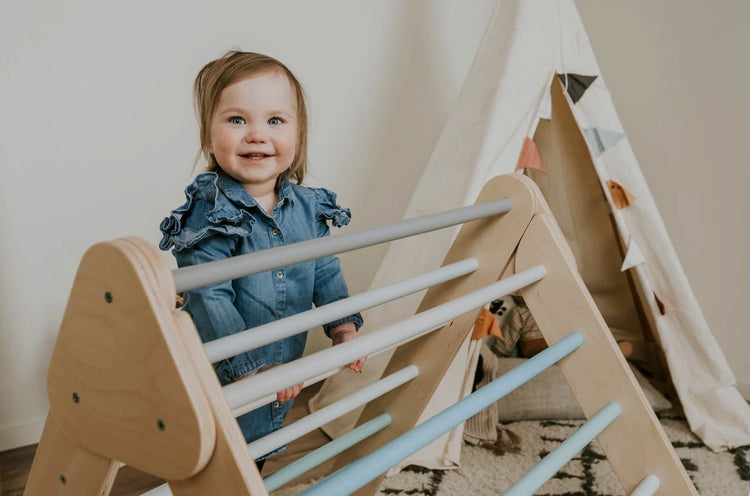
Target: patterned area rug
{"x": 483, "y": 473}
{"x": 588, "y": 474}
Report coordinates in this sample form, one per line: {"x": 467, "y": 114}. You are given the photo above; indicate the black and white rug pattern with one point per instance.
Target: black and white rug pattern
{"x": 483, "y": 473}
{"x": 588, "y": 474}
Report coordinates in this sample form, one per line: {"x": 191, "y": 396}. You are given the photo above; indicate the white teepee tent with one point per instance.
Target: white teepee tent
{"x": 535, "y": 60}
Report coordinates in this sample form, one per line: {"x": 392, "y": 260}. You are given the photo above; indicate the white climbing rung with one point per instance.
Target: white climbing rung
{"x": 283, "y": 376}
{"x": 196, "y": 276}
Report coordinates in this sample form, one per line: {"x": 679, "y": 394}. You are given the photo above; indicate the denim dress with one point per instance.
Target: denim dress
{"x": 219, "y": 220}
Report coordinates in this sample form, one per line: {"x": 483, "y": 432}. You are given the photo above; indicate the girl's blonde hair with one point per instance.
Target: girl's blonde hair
{"x": 228, "y": 69}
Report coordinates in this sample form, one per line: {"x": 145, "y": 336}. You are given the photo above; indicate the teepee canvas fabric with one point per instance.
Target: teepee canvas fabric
{"x": 535, "y": 78}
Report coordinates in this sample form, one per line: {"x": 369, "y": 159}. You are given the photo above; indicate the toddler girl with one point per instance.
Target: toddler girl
{"x": 253, "y": 132}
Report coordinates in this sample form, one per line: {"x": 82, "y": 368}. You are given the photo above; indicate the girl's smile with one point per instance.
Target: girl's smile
{"x": 255, "y": 156}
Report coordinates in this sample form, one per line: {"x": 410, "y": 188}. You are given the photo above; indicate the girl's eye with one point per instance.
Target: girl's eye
{"x": 236, "y": 120}
{"x": 274, "y": 121}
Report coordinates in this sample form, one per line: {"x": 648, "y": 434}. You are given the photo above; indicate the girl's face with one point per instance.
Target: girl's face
{"x": 254, "y": 129}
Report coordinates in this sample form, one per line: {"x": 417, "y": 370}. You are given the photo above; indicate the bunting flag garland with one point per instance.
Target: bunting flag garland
{"x": 530, "y": 158}
{"x": 620, "y": 196}
{"x": 601, "y": 139}
{"x": 634, "y": 256}
{"x": 576, "y": 84}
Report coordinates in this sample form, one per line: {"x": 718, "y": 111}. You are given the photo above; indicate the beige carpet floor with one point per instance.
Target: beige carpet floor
{"x": 588, "y": 474}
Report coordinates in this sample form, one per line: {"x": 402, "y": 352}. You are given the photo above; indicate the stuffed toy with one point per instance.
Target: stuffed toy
{"x": 520, "y": 334}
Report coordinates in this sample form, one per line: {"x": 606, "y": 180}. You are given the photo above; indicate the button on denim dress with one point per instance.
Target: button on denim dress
{"x": 220, "y": 220}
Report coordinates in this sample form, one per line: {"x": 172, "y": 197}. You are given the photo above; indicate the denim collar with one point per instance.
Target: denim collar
{"x": 238, "y": 194}
{"x": 286, "y": 192}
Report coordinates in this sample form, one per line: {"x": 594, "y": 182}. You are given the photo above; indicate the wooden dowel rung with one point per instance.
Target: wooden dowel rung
{"x": 196, "y": 276}
{"x": 283, "y": 376}
{"x": 272, "y": 397}
{"x": 229, "y": 346}
{"x": 325, "y": 452}
{"x": 279, "y": 438}
{"x": 554, "y": 461}
{"x": 360, "y": 472}
{"x": 647, "y": 487}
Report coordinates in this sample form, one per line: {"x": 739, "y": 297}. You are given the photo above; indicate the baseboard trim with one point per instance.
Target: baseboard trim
{"x": 21, "y": 435}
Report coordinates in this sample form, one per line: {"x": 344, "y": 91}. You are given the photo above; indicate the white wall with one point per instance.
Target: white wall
{"x": 97, "y": 136}
{"x": 678, "y": 76}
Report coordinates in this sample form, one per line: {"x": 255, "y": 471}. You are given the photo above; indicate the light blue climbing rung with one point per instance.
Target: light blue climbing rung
{"x": 364, "y": 470}
{"x": 554, "y": 461}
{"x": 325, "y": 452}
{"x": 647, "y": 487}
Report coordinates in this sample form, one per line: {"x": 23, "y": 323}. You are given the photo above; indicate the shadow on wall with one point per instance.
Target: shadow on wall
{"x": 410, "y": 114}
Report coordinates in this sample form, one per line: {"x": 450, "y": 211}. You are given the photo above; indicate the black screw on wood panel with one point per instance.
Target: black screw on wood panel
{"x": 108, "y": 297}
{"x": 63, "y": 479}
{"x": 76, "y": 398}
{"x": 161, "y": 425}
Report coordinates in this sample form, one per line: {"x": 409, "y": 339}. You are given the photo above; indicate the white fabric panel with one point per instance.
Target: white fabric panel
{"x": 456, "y": 384}
{"x": 482, "y": 137}
{"x": 498, "y": 107}
{"x": 715, "y": 410}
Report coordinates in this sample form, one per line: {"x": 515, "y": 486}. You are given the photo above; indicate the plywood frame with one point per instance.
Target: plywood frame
{"x": 129, "y": 380}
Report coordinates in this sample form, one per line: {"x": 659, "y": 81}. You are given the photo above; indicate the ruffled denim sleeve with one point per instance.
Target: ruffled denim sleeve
{"x": 201, "y": 231}
{"x": 207, "y": 212}
{"x": 328, "y": 209}
{"x": 330, "y": 284}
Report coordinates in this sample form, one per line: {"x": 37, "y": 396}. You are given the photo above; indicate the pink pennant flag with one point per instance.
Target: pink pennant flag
{"x": 530, "y": 158}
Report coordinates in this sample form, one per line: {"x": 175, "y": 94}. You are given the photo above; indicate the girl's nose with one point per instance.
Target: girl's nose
{"x": 255, "y": 135}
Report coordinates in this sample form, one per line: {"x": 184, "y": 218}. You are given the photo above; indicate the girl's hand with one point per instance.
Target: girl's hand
{"x": 283, "y": 396}
{"x": 343, "y": 333}
{"x": 289, "y": 393}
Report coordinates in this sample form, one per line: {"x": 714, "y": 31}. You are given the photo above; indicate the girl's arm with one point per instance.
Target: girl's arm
{"x": 341, "y": 334}
{"x": 212, "y": 307}
{"x": 330, "y": 285}
{"x": 215, "y": 315}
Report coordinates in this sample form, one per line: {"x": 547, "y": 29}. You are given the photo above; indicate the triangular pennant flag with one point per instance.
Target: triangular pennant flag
{"x": 530, "y": 158}
{"x": 660, "y": 304}
{"x": 601, "y": 139}
{"x": 620, "y": 196}
{"x": 634, "y": 256}
{"x": 486, "y": 325}
{"x": 576, "y": 84}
